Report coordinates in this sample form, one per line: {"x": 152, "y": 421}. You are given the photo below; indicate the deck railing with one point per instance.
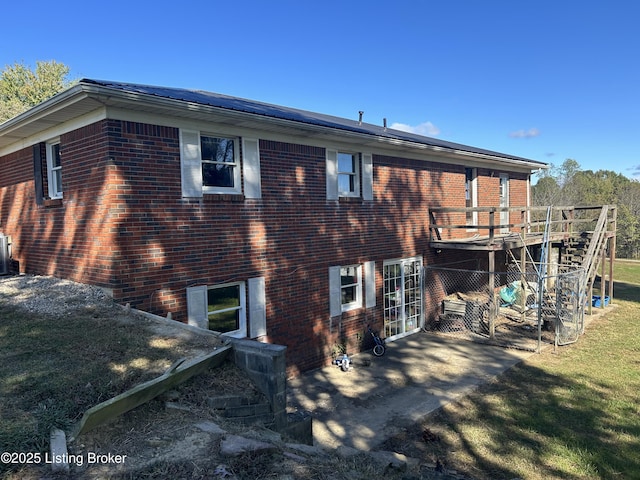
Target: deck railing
{"x": 568, "y": 220}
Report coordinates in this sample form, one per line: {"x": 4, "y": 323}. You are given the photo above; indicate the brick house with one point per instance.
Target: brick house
{"x": 255, "y": 220}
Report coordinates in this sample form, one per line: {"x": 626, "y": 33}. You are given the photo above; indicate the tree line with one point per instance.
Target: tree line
{"x": 568, "y": 184}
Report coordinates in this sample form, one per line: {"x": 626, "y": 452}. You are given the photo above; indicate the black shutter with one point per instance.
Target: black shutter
{"x": 37, "y": 172}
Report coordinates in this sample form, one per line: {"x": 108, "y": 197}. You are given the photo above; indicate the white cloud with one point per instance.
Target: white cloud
{"x": 426, "y": 128}
{"x": 532, "y": 132}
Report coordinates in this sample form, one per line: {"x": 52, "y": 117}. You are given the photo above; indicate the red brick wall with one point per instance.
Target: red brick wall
{"x": 123, "y": 224}
{"x": 62, "y": 238}
{"x": 18, "y": 209}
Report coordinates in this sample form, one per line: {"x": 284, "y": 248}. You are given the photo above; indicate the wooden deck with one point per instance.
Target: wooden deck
{"x": 498, "y": 242}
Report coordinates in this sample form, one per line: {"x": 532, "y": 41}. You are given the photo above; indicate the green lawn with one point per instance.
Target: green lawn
{"x": 570, "y": 414}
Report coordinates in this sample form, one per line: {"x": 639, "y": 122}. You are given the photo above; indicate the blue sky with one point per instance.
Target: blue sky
{"x": 545, "y": 80}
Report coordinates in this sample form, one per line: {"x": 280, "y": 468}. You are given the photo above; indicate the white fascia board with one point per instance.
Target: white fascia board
{"x": 55, "y": 131}
{"x": 43, "y": 109}
{"x": 219, "y": 122}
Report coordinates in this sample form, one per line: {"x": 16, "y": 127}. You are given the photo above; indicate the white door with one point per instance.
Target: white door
{"x": 402, "y": 297}
{"x": 504, "y": 201}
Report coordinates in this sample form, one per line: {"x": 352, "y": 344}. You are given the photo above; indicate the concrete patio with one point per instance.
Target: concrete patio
{"x": 418, "y": 374}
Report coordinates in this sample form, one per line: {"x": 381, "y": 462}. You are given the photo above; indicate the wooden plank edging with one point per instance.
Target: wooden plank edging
{"x": 178, "y": 373}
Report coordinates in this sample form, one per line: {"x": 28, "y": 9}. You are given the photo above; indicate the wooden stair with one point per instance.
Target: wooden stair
{"x": 585, "y": 250}
{"x": 576, "y": 249}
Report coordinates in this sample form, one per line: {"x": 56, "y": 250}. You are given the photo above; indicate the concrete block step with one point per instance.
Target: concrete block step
{"x": 267, "y": 421}
{"x": 243, "y": 409}
{"x": 246, "y": 410}
{"x": 230, "y": 401}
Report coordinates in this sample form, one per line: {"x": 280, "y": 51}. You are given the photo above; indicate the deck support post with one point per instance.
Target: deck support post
{"x": 611, "y": 227}
{"x": 492, "y": 230}
{"x": 494, "y": 299}
{"x": 523, "y": 279}
{"x": 603, "y": 275}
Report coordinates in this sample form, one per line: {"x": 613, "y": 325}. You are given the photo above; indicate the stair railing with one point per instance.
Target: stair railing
{"x": 595, "y": 246}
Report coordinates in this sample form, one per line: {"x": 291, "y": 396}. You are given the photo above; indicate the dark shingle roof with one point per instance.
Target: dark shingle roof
{"x": 292, "y": 114}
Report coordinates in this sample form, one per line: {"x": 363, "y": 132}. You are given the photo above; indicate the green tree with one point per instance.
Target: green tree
{"x": 628, "y": 239}
{"x": 546, "y": 191}
{"x": 568, "y": 175}
{"x": 555, "y": 185}
{"x": 568, "y": 185}
{"x": 22, "y": 87}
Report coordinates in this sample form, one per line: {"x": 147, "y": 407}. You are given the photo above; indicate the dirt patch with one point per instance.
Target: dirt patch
{"x": 167, "y": 437}
{"x": 165, "y": 431}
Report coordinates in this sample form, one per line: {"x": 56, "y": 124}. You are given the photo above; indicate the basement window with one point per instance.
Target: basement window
{"x": 351, "y": 287}
{"x": 346, "y": 284}
{"x": 226, "y": 308}
{"x": 233, "y": 309}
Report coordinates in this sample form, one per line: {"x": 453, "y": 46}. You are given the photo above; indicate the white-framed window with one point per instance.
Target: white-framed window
{"x": 350, "y": 287}
{"x": 346, "y": 284}
{"x": 212, "y": 164}
{"x": 349, "y": 174}
{"x": 226, "y": 308}
{"x": 54, "y": 169}
{"x": 471, "y": 194}
{"x": 223, "y": 308}
{"x": 220, "y": 164}
{"x": 504, "y": 203}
